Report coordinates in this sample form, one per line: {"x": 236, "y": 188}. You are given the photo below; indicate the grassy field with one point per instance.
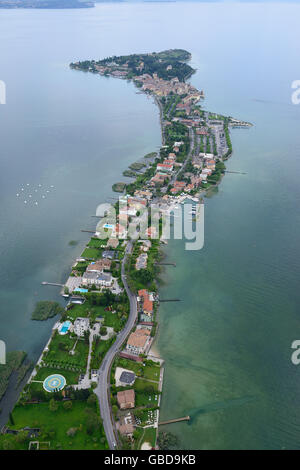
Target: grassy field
{"x": 143, "y": 395}
{"x": 92, "y": 253}
{"x": 144, "y": 435}
{"x": 149, "y": 436}
{"x": 55, "y": 424}
{"x": 150, "y": 371}
{"x": 59, "y": 351}
{"x": 94, "y": 311}
{"x": 70, "y": 376}
{"x": 97, "y": 243}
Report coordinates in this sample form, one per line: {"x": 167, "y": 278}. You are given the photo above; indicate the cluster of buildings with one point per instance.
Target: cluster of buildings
{"x": 160, "y": 87}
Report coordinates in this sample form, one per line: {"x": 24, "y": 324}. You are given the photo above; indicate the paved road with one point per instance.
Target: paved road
{"x": 102, "y": 390}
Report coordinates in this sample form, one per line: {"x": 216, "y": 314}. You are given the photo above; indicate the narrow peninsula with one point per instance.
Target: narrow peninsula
{"x": 99, "y": 374}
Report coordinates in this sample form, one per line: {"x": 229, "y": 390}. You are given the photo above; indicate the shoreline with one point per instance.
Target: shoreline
{"x": 186, "y": 152}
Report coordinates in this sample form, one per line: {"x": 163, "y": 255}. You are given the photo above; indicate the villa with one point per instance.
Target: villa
{"x": 126, "y": 399}
{"x": 94, "y": 278}
{"x": 138, "y": 341}
{"x": 81, "y": 325}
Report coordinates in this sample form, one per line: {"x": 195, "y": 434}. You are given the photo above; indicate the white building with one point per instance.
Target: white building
{"x": 94, "y": 278}
{"x": 81, "y": 325}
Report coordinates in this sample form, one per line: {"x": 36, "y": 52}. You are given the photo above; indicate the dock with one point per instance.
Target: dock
{"x": 167, "y": 264}
{"x": 175, "y": 420}
{"x": 56, "y": 284}
{"x": 170, "y": 300}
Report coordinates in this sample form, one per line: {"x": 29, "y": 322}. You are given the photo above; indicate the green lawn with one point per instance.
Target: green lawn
{"x": 59, "y": 351}
{"x": 143, "y": 396}
{"x": 55, "y": 424}
{"x": 151, "y": 372}
{"x": 100, "y": 351}
{"x": 70, "y": 376}
{"x": 93, "y": 253}
{"x": 97, "y": 243}
{"x": 149, "y": 436}
{"x": 94, "y": 311}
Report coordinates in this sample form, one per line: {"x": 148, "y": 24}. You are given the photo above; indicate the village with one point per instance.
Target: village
{"x": 112, "y": 290}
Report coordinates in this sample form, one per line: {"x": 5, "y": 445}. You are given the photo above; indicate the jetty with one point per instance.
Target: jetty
{"x": 56, "y": 284}
{"x": 167, "y": 264}
{"x": 170, "y": 300}
{"x": 175, "y": 420}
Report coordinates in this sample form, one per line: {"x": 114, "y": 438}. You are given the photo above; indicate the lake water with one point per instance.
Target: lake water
{"x": 227, "y": 344}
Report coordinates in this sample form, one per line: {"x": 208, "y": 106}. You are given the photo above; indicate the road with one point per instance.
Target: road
{"x": 181, "y": 169}
{"x": 102, "y": 390}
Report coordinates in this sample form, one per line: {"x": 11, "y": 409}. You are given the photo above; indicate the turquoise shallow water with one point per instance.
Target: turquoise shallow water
{"x": 227, "y": 344}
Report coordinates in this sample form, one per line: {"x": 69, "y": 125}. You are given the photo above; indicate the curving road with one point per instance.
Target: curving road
{"x": 103, "y": 388}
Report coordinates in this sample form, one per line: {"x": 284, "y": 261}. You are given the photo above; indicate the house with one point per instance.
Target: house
{"x": 108, "y": 254}
{"x": 81, "y": 325}
{"x": 211, "y": 164}
{"x": 99, "y": 266}
{"x": 141, "y": 261}
{"x": 138, "y": 341}
{"x": 127, "y": 378}
{"x": 189, "y": 188}
{"x": 94, "y": 278}
{"x": 146, "y": 302}
{"x": 137, "y": 202}
{"x": 125, "y": 425}
{"x": 158, "y": 179}
{"x": 119, "y": 231}
{"x": 143, "y": 194}
{"x": 151, "y": 232}
{"x": 126, "y": 429}
{"x": 126, "y": 399}
{"x": 112, "y": 243}
{"x": 164, "y": 167}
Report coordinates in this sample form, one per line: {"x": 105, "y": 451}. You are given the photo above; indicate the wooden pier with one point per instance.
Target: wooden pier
{"x": 170, "y": 300}
{"x": 88, "y": 231}
{"x": 167, "y": 264}
{"x": 175, "y": 420}
{"x": 56, "y": 284}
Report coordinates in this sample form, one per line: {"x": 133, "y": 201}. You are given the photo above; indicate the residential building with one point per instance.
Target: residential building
{"x": 126, "y": 399}
{"x": 81, "y": 325}
{"x": 138, "y": 341}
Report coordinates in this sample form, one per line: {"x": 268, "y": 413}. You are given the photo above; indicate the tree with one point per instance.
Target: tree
{"x": 53, "y": 405}
{"x": 167, "y": 440}
{"x": 103, "y": 331}
{"x": 21, "y": 437}
{"x": 71, "y": 432}
{"x": 92, "y": 422}
{"x": 91, "y": 399}
{"x": 68, "y": 405}
{"x": 8, "y": 444}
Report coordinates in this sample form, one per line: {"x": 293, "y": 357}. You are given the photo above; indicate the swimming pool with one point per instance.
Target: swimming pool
{"x": 54, "y": 383}
{"x": 79, "y": 289}
{"x": 65, "y": 328}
